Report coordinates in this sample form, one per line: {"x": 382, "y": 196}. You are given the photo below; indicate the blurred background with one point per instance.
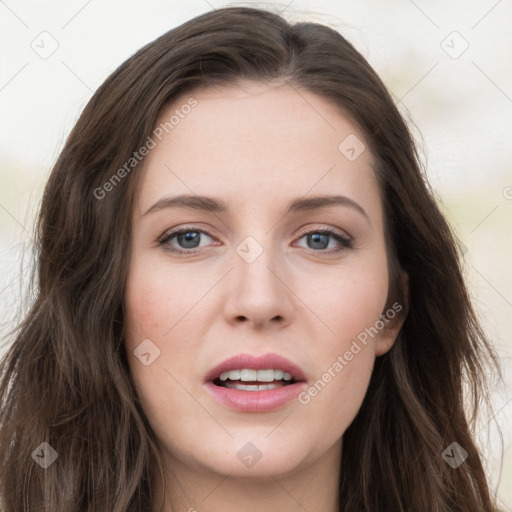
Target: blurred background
{"x": 448, "y": 65}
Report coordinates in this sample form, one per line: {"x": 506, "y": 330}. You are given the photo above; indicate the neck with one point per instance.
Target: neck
{"x": 314, "y": 488}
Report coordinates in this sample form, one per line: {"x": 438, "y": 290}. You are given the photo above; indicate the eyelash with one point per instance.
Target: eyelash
{"x": 345, "y": 242}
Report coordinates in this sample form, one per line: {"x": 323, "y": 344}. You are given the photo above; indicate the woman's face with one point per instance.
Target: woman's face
{"x": 259, "y": 280}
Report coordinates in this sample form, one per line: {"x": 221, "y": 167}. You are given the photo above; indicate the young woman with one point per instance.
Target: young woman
{"x": 247, "y": 295}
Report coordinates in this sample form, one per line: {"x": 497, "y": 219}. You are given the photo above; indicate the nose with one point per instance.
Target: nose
{"x": 260, "y": 293}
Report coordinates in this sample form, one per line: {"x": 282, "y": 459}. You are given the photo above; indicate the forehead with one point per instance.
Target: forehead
{"x": 257, "y": 141}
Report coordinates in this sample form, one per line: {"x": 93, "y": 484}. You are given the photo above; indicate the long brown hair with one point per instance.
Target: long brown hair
{"x": 65, "y": 379}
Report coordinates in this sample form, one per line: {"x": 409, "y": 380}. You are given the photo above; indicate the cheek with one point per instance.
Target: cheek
{"x": 347, "y": 301}
{"x": 353, "y": 303}
{"x": 350, "y": 304}
{"x": 158, "y": 298}
{"x": 160, "y": 315}
{"x": 151, "y": 311}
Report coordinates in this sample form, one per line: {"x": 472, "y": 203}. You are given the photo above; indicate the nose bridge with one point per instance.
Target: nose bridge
{"x": 255, "y": 258}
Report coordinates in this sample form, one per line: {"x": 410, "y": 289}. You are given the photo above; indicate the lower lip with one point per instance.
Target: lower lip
{"x": 255, "y": 401}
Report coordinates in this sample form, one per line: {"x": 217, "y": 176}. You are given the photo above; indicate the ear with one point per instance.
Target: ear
{"x": 395, "y": 316}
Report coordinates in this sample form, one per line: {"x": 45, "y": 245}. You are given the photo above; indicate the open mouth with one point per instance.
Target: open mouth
{"x": 249, "y": 383}
{"x": 246, "y": 379}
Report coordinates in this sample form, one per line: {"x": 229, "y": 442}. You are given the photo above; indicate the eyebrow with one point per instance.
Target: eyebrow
{"x": 211, "y": 204}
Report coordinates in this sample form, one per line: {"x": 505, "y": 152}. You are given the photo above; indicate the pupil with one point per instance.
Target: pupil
{"x": 189, "y": 237}
{"x": 316, "y": 239}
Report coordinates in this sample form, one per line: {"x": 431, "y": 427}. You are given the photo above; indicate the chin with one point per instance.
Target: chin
{"x": 247, "y": 456}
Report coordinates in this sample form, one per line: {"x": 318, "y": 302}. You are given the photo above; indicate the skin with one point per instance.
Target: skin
{"x": 256, "y": 147}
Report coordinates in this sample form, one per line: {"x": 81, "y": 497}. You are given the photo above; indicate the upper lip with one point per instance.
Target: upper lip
{"x": 262, "y": 362}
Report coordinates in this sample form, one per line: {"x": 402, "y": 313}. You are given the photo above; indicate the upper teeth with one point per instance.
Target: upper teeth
{"x": 248, "y": 375}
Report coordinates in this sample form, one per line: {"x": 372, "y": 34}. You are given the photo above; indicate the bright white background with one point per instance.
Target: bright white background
{"x": 460, "y": 100}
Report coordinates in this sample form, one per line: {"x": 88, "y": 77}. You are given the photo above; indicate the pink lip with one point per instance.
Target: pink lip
{"x": 255, "y": 401}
